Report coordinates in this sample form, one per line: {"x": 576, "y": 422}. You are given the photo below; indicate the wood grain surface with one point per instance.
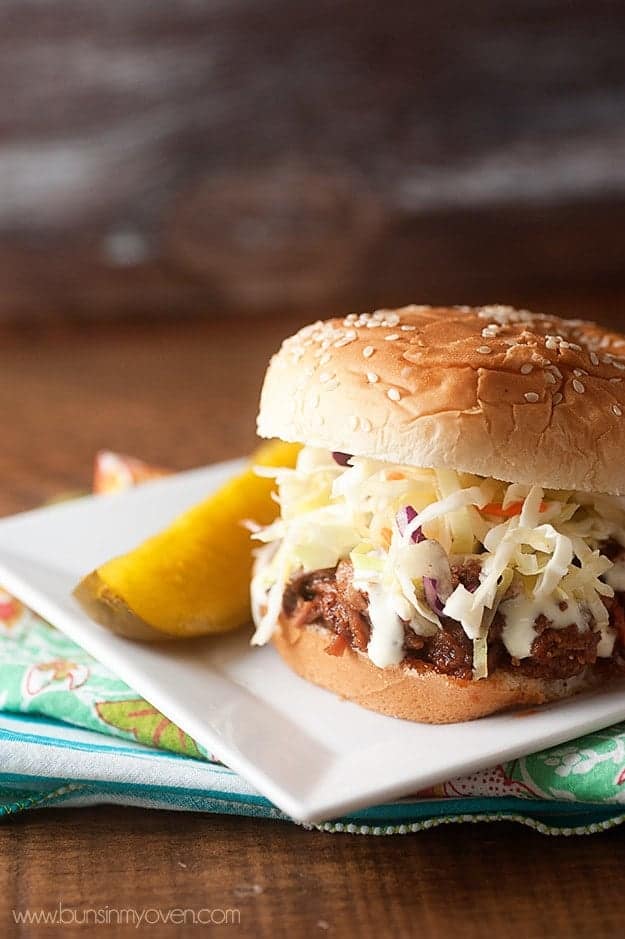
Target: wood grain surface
{"x": 461, "y": 882}
{"x": 177, "y": 156}
{"x": 183, "y": 396}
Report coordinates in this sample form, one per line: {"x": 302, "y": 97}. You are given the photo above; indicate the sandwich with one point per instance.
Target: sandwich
{"x": 451, "y": 541}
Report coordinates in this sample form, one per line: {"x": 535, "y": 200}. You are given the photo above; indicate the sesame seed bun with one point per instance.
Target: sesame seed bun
{"x": 490, "y": 390}
{"x": 419, "y": 693}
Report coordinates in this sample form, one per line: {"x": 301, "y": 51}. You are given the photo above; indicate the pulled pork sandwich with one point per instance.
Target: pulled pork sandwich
{"x": 451, "y": 542}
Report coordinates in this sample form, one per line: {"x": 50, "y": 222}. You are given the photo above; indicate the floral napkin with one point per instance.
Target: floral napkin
{"x": 46, "y": 679}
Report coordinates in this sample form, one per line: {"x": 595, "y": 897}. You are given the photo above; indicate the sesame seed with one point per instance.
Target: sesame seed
{"x": 578, "y": 387}
{"x": 579, "y": 372}
{"x": 551, "y": 344}
{"x": 368, "y": 351}
{"x": 616, "y": 409}
{"x": 365, "y": 424}
{"x": 504, "y": 315}
{"x": 325, "y": 358}
{"x": 407, "y": 328}
{"x": 594, "y": 358}
{"x": 392, "y": 337}
{"x": 393, "y": 394}
{"x": 557, "y": 398}
{"x": 325, "y": 377}
{"x": 314, "y": 400}
{"x": 490, "y": 331}
{"x": 556, "y": 371}
{"x": 353, "y": 421}
{"x": 619, "y": 365}
{"x": 551, "y": 379}
{"x": 407, "y": 373}
{"x": 532, "y": 397}
{"x": 615, "y": 381}
{"x": 526, "y": 369}
{"x": 372, "y": 377}
{"x": 484, "y": 350}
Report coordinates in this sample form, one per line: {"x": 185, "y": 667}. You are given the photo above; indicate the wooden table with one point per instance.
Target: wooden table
{"x": 186, "y": 394}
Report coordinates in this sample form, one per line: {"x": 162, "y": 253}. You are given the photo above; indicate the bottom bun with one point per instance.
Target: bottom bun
{"x": 418, "y": 693}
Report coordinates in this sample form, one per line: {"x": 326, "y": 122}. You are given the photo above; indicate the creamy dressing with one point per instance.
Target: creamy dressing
{"x": 386, "y": 645}
{"x": 605, "y": 648}
{"x": 522, "y": 612}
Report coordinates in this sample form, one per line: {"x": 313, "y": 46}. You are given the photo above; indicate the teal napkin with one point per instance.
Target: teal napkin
{"x": 57, "y": 702}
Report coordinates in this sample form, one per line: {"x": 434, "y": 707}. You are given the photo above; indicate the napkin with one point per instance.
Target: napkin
{"x": 72, "y": 734}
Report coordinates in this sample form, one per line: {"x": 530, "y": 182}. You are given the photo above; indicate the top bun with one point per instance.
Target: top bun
{"x": 489, "y": 390}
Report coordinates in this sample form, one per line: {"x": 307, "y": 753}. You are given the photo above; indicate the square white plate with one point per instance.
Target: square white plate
{"x": 313, "y": 755}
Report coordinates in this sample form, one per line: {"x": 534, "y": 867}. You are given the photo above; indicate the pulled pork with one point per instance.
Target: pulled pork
{"x": 328, "y": 598}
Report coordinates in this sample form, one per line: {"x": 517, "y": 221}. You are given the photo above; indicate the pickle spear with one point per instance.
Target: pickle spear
{"x": 193, "y": 578}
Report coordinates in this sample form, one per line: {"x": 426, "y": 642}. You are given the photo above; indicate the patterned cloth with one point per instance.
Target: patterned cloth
{"x": 45, "y": 678}
{"x": 57, "y": 702}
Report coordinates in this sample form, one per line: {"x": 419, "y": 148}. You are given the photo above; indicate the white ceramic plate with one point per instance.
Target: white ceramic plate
{"x": 313, "y": 755}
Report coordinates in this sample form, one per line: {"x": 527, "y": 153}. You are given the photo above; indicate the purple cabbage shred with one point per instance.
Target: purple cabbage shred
{"x": 403, "y": 518}
{"x": 430, "y": 586}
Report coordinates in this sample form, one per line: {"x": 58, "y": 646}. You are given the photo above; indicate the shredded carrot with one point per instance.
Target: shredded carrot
{"x": 496, "y": 508}
{"x": 337, "y": 646}
{"x": 386, "y": 535}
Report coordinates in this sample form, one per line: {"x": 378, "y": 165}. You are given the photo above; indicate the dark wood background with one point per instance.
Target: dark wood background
{"x": 181, "y": 157}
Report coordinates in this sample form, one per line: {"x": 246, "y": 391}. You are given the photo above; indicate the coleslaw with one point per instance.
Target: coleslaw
{"x": 404, "y": 528}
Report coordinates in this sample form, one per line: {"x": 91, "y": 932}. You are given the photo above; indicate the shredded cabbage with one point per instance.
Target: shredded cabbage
{"x": 403, "y": 527}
